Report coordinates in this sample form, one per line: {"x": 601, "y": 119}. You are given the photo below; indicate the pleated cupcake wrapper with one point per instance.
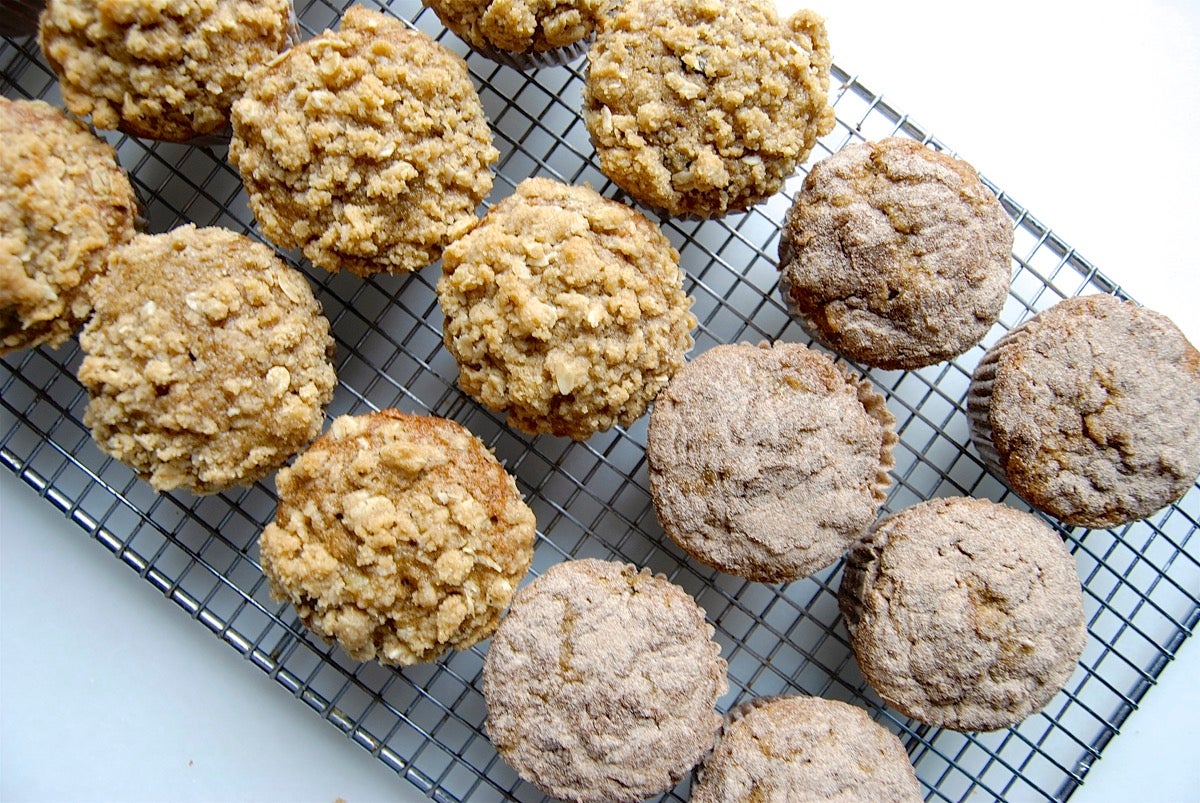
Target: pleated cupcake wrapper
{"x": 537, "y": 59}
{"x": 979, "y": 397}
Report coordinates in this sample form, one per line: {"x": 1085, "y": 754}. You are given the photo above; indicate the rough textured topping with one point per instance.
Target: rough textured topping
{"x": 207, "y": 359}
{"x": 964, "y": 613}
{"x": 896, "y": 255}
{"x": 399, "y": 536}
{"x": 601, "y": 681}
{"x": 706, "y": 107}
{"x": 164, "y": 69}
{"x": 64, "y": 204}
{"x": 800, "y": 749}
{"x": 521, "y": 25}
{"x": 565, "y": 309}
{"x": 1091, "y": 410}
{"x": 768, "y": 462}
{"x": 367, "y": 148}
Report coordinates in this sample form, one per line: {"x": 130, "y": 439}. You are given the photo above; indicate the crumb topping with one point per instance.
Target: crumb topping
{"x": 521, "y": 26}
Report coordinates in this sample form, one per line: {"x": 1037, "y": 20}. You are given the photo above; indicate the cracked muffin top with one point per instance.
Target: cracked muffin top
{"x": 65, "y": 204}
{"x": 399, "y": 536}
{"x": 701, "y": 108}
{"x": 1091, "y": 411}
{"x": 895, "y": 255}
{"x": 367, "y": 148}
{"x": 161, "y": 69}
{"x": 601, "y": 683}
{"x": 964, "y": 613}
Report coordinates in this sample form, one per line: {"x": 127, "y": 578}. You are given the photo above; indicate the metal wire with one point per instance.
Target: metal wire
{"x": 1141, "y": 581}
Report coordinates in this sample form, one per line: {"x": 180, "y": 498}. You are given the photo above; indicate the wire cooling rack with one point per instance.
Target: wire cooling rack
{"x": 426, "y": 722}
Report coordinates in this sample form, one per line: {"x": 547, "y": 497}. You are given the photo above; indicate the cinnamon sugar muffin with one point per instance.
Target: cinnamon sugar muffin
{"x": 706, "y": 107}
{"x": 600, "y": 683}
{"x": 964, "y": 613}
{"x": 64, "y": 204}
{"x": 399, "y": 536}
{"x": 159, "y": 69}
{"x": 804, "y": 749}
{"x": 1091, "y": 411}
{"x": 524, "y": 33}
{"x": 367, "y": 148}
{"x": 207, "y": 360}
{"x": 564, "y": 309}
{"x": 768, "y": 462}
{"x": 896, "y": 255}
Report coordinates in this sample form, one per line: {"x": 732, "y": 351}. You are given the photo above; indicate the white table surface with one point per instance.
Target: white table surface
{"x": 1087, "y": 114}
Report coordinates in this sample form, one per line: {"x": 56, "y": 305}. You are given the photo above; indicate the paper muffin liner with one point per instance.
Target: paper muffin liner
{"x": 20, "y": 17}
{"x": 979, "y": 398}
{"x": 875, "y": 404}
{"x": 537, "y": 59}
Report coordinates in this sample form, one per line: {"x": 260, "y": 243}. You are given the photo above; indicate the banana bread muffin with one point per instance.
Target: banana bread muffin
{"x": 703, "y": 107}
{"x": 964, "y": 613}
{"x": 157, "y": 69}
{"x": 400, "y": 536}
{"x": 64, "y": 205}
{"x": 366, "y": 148}
{"x": 601, "y": 681}
{"x": 1091, "y": 411}
{"x": 768, "y": 462}
{"x": 524, "y": 33}
{"x": 207, "y": 360}
{"x": 895, "y": 255}
{"x": 804, "y": 749}
{"x": 564, "y": 309}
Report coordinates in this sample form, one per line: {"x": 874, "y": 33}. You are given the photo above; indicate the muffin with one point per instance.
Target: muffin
{"x": 804, "y": 749}
{"x": 207, "y": 360}
{"x": 964, "y": 613}
{"x": 895, "y": 255}
{"x": 704, "y": 108}
{"x": 600, "y": 683}
{"x": 768, "y": 462}
{"x": 524, "y": 33}
{"x": 564, "y": 310}
{"x": 1090, "y": 411}
{"x": 161, "y": 70}
{"x": 367, "y": 148}
{"x": 399, "y": 536}
{"x": 64, "y": 204}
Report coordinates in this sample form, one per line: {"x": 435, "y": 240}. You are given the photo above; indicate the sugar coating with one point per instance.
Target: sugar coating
{"x": 64, "y": 203}
{"x": 367, "y": 148}
{"x": 564, "y": 309}
{"x": 1091, "y": 411}
{"x": 520, "y": 26}
{"x": 706, "y": 107}
{"x": 804, "y": 749}
{"x": 964, "y": 613}
{"x": 768, "y": 462}
{"x": 207, "y": 360}
{"x": 601, "y": 681}
{"x": 896, "y": 255}
{"x": 398, "y": 535}
{"x": 162, "y": 69}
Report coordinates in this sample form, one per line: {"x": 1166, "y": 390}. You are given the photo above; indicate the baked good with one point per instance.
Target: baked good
{"x": 564, "y": 309}
{"x": 399, "y": 536}
{"x": 161, "y": 70}
{"x": 800, "y": 748}
{"x": 964, "y": 613}
{"x": 1090, "y": 411}
{"x": 207, "y": 361}
{"x": 896, "y": 255}
{"x": 524, "y": 33}
{"x": 64, "y": 204}
{"x": 367, "y": 148}
{"x": 703, "y": 107}
{"x": 768, "y": 462}
{"x": 600, "y": 683}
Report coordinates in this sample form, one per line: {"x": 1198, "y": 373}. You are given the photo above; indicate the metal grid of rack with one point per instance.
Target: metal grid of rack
{"x": 1141, "y": 581}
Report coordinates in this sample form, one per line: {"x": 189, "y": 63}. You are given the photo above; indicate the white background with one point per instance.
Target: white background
{"x": 1085, "y": 113}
